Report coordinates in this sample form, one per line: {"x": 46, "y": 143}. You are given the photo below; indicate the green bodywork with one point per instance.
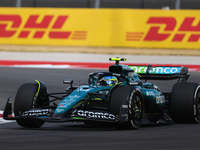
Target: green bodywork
{"x": 78, "y": 95}
{"x": 149, "y": 90}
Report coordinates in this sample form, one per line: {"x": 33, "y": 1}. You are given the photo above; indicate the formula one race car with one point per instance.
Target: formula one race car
{"x": 117, "y": 97}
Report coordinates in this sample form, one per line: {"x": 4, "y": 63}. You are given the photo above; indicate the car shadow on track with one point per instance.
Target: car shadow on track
{"x": 83, "y": 127}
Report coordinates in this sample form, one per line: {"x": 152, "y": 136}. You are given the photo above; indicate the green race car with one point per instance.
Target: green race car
{"x": 119, "y": 97}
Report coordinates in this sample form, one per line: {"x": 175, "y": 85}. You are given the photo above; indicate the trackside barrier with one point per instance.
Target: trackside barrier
{"x": 83, "y": 65}
{"x": 101, "y": 27}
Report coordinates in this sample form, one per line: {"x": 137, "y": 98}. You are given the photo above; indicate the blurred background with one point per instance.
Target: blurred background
{"x": 120, "y": 23}
{"x": 135, "y": 4}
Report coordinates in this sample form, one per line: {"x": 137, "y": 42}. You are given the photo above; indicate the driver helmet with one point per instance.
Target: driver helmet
{"x": 110, "y": 80}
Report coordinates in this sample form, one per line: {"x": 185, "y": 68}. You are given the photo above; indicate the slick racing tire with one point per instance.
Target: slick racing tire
{"x": 132, "y": 98}
{"x": 26, "y": 99}
{"x": 184, "y": 104}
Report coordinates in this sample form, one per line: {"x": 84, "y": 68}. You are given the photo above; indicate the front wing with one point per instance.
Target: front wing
{"x": 76, "y": 115}
{"x": 48, "y": 115}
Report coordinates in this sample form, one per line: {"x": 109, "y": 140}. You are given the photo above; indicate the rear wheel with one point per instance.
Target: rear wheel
{"x": 184, "y": 103}
{"x": 26, "y": 98}
{"x": 135, "y": 105}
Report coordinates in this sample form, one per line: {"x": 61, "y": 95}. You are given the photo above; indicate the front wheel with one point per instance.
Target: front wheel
{"x": 135, "y": 104}
{"x": 27, "y": 98}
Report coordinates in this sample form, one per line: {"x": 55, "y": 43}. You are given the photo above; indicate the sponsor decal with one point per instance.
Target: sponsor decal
{"x": 124, "y": 115}
{"x": 133, "y": 83}
{"x": 157, "y": 70}
{"x": 125, "y": 67}
{"x": 116, "y": 74}
{"x": 63, "y": 105}
{"x": 77, "y": 27}
{"x": 150, "y": 93}
{"x": 40, "y": 25}
{"x": 124, "y": 106}
{"x": 40, "y": 112}
{"x": 93, "y": 115}
{"x": 59, "y": 110}
{"x": 134, "y": 36}
{"x": 69, "y": 100}
{"x": 160, "y": 99}
{"x": 188, "y": 26}
{"x": 104, "y": 92}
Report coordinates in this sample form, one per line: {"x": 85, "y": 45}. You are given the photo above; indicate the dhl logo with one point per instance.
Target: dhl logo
{"x": 41, "y": 27}
{"x": 188, "y": 26}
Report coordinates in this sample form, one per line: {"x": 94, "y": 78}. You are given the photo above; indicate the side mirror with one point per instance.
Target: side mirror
{"x": 68, "y": 81}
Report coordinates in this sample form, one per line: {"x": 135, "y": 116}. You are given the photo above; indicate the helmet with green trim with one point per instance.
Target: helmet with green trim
{"x": 109, "y": 80}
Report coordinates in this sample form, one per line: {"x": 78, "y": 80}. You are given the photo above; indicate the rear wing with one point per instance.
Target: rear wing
{"x": 161, "y": 72}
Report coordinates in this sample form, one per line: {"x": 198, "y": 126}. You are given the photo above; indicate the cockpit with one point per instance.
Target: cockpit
{"x": 121, "y": 74}
{"x": 111, "y": 79}
{"x": 106, "y": 79}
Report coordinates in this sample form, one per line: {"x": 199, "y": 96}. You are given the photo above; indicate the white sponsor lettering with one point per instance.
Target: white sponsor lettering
{"x": 135, "y": 69}
{"x": 167, "y": 70}
{"x": 160, "y": 99}
{"x": 150, "y": 93}
{"x": 42, "y": 112}
{"x": 100, "y": 115}
{"x": 174, "y": 70}
{"x": 103, "y": 92}
{"x": 124, "y": 106}
{"x": 115, "y": 74}
{"x": 159, "y": 70}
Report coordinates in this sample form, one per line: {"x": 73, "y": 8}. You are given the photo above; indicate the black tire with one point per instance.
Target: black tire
{"x": 184, "y": 104}
{"x": 26, "y": 99}
{"x": 135, "y": 101}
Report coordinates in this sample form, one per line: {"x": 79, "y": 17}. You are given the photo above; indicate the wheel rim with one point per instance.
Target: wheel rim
{"x": 137, "y": 109}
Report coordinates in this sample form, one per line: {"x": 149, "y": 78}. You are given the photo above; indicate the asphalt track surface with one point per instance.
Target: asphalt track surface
{"x": 77, "y": 136}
